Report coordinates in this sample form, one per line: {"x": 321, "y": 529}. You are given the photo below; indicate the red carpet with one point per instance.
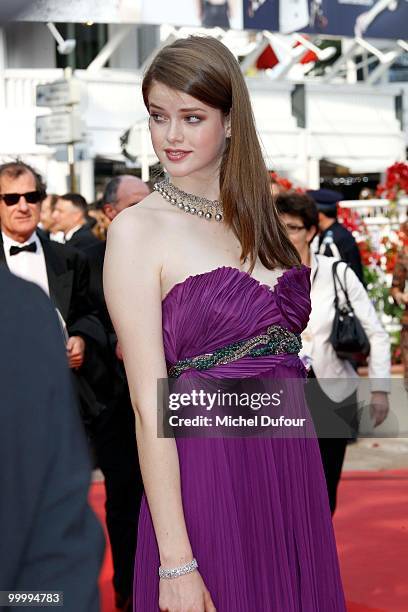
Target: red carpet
{"x": 372, "y": 537}
{"x": 97, "y": 500}
{"x": 371, "y": 526}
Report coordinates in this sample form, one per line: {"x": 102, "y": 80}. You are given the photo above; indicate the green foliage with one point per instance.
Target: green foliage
{"x": 384, "y": 304}
{"x": 379, "y": 294}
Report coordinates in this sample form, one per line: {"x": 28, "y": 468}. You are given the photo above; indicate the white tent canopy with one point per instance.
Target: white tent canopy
{"x": 354, "y": 126}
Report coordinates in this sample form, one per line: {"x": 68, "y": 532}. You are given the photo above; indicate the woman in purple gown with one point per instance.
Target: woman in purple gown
{"x": 201, "y": 279}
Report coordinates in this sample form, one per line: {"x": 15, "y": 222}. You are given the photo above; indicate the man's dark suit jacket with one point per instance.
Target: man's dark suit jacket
{"x": 68, "y": 280}
{"x": 50, "y": 539}
{"x": 96, "y": 256}
{"x": 83, "y": 238}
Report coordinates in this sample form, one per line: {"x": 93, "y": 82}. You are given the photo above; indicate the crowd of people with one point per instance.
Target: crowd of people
{"x": 178, "y": 287}
{"x": 49, "y": 240}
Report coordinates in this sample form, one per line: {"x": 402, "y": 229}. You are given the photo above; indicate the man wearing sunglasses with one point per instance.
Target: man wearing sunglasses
{"x": 62, "y": 272}
{"x": 21, "y": 194}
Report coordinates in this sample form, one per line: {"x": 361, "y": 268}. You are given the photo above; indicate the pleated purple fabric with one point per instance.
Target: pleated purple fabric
{"x": 256, "y": 509}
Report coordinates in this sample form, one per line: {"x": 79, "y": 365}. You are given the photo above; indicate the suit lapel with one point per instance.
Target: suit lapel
{"x": 2, "y": 255}
{"x": 60, "y": 279}
{"x": 76, "y": 236}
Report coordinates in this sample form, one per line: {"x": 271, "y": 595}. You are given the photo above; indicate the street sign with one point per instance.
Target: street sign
{"x": 58, "y": 93}
{"x": 59, "y": 128}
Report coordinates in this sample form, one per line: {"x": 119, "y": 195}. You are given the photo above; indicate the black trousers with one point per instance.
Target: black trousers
{"x": 113, "y": 441}
{"x": 332, "y": 449}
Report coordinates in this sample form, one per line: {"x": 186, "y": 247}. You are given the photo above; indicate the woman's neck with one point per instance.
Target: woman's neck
{"x": 205, "y": 187}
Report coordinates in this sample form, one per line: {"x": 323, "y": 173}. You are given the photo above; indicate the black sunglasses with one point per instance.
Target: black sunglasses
{"x": 31, "y": 197}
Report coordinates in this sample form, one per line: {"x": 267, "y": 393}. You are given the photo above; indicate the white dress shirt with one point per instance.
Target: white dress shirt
{"x": 337, "y": 377}
{"x": 57, "y": 237}
{"x": 72, "y": 231}
{"x": 30, "y": 266}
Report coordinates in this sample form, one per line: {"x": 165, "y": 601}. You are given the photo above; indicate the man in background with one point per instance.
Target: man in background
{"x": 115, "y": 438}
{"x": 46, "y": 224}
{"x": 62, "y": 272}
{"x": 70, "y": 216}
{"x": 50, "y": 539}
{"x": 335, "y": 240}
{"x": 121, "y": 192}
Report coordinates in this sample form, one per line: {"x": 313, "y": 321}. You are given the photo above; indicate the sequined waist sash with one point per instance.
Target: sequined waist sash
{"x": 277, "y": 340}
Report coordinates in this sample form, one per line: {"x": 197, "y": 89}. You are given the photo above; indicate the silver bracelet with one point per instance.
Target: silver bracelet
{"x": 168, "y": 574}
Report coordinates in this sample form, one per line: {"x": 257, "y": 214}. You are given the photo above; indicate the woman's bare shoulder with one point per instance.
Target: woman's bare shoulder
{"x": 143, "y": 222}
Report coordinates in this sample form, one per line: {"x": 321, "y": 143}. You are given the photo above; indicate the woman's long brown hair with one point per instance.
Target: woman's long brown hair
{"x": 205, "y": 69}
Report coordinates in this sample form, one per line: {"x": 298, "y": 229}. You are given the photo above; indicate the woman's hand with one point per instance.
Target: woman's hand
{"x": 379, "y": 407}
{"x": 186, "y": 593}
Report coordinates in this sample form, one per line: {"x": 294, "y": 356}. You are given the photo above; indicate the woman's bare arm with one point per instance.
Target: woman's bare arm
{"x": 133, "y": 296}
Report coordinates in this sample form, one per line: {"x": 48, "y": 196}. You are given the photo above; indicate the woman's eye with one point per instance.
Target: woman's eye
{"x": 193, "y": 119}
{"x": 157, "y": 118}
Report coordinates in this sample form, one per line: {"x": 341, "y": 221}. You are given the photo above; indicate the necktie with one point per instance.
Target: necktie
{"x": 31, "y": 248}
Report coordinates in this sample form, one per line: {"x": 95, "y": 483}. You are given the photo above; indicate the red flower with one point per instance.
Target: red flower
{"x": 396, "y": 180}
{"x": 391, "y": 261}
{"x": 284, "y": 183}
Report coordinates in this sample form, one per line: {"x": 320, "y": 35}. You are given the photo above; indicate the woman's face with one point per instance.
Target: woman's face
{"x": 187, "y": 135}
{"x": 298, "y": 234}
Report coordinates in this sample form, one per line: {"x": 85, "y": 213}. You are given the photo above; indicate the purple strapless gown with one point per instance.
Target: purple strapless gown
{"x": 256, "y": 509}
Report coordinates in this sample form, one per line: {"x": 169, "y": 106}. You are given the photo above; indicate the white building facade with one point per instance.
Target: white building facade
{"x": 353, "y": 125}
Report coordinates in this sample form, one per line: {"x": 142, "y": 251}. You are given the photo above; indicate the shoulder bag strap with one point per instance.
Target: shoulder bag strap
{"x": 335, "y": 281}
{"x": 343, "y": 288}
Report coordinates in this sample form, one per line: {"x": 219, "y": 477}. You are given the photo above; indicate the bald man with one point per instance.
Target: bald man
{"x": 121, "y": 192}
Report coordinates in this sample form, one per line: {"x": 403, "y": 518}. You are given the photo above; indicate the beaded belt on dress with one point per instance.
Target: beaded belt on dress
{"x": 277, "y": 340}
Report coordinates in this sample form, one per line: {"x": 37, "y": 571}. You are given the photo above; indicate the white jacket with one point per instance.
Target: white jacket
{"x": 337, "y": 377}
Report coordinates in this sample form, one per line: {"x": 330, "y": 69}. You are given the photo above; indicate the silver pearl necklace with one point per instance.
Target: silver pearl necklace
{"x": 190, "y": 203}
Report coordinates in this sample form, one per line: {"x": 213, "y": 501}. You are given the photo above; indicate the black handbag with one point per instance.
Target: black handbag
{"x": 347, "y": 337}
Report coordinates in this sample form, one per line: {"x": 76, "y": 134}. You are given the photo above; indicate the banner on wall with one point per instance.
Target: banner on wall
{"x": 365, "y": 18}
{"x": 195, "y": 13}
